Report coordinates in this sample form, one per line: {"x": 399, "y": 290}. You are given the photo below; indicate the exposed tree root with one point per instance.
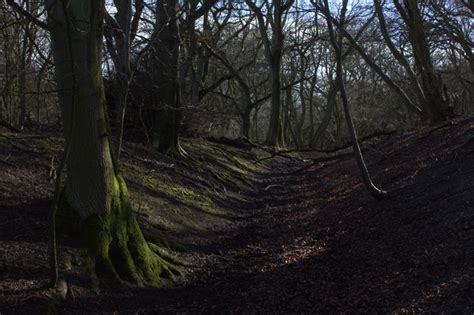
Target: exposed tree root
{"x": 117, "y": 248}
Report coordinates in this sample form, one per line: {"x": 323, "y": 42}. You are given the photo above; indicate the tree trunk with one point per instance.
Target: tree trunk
{"x": 273, "y": 52}
{"x": 373, "y": 190}
{"x": 300, "y": 122}
{"x": 94, "y": 202}
{"x": 436, "y": 105}
{"x": 246, "y": 125}
{"x": 245, "y": 111}
{"x": 123, "y": 85}
{"x": 435, "y": 102}
{"x": 255, "y": 120}
{"x": 330, "y": 105}
{"x": 166, "y": 115}
{"x": 22, "y": 79}
{"x": 399, "y": 56}
{"x": 311, "y": 112}
{"x": 353, "y": 42}
{"x": 274, "y": 137}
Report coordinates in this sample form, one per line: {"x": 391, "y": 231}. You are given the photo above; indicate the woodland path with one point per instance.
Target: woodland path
{"x": 315, "y": 241}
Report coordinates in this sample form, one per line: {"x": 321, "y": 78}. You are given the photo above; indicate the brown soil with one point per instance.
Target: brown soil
{"x": 309, "y": 240}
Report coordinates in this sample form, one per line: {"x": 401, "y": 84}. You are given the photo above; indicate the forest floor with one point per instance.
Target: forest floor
{"x": 284, "y": 236}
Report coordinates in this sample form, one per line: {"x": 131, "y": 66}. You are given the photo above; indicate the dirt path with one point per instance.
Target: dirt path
{"x": 315, "y": 241}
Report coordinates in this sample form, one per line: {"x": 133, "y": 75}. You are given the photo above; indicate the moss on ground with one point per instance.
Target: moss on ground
{"x": 115, "y": 243}
{"x": 193, "y": 195}
{"x": 177, "y": 203}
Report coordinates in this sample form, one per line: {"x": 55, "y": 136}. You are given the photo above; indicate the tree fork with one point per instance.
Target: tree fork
{"x": 373, "y": 190}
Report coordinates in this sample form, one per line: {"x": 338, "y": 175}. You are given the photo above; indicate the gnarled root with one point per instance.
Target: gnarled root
{"x": 117, "y": 247}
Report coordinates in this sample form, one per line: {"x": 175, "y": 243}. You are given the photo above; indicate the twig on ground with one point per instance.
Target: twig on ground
{"x": 325, "y": 159}
{"x": 340, "y": 148}
{"x": 344, "y": 146}
{"x": 272, "y": 186}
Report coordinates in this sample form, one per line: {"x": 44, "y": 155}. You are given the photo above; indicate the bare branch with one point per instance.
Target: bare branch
{"x": 27, "y": 15}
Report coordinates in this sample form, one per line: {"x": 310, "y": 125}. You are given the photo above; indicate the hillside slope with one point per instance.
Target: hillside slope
{"x": 283, "y": 237}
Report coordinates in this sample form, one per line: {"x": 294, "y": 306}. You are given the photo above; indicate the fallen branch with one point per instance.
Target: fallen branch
{"x": 272, "y": 186}
{"x": 273, "y": 154}
{"x": 344, "y": 146}
{"x": 8, "y": 126}
{"x": 325, "y": 159}
{"x": 266, "y": 149}
{"x": 11, "y": 142}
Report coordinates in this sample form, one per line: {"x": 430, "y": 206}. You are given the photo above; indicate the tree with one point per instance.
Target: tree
{"x": 436, "y": 103}
{"x": 245, "y": 104}
{"x": 454, "y": 22}
{"x": 396, "y": 88}
{"x": 337, "y": 45}
{"x": 120, "y": 33}
{"x": 273, "y": 47}
{"x": 398, "y": 55}
{"x": 18, "y": 36}
{"x": 166, "y": 98}
{"x": 95, "y": 193}
{"x": 166, "y": 101}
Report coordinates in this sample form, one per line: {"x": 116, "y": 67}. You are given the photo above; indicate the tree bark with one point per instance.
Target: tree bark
{"x": 274, "y": 137}
{"x": 94, "y": 204}
{"x": 330, "y": 105}
{"x": 353, "y": 42}
{"x": 119, "y": 34}
{"x": 22, "y": 80}
{"x": 273, "y": 51}
{"x": 435, "y": 104}
{"x": 246, "y": 125}
{"x": 373, "y": 190}
{"x": 167, "y": 101}
{"x": 399, "y": 56}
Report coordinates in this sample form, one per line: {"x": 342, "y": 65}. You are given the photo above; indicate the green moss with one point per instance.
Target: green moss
{"x": 47, "y": 146}
{"x": 279, "y": 147}
{"x": 167, "y": 243}
{"x": 184, "y": 195}
{"x": 116, "y": 245}
{"x": 173, "y": 191}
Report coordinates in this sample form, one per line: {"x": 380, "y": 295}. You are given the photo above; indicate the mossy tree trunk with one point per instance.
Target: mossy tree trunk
{"x": 94, "y": 191}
